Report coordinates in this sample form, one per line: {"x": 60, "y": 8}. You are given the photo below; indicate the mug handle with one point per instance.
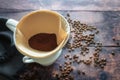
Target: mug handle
{"x": 11, "y": 24}
{"x": 27, "y": 59}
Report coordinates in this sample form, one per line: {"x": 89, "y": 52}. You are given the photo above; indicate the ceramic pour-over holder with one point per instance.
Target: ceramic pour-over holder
{"x": 41, "y": 21}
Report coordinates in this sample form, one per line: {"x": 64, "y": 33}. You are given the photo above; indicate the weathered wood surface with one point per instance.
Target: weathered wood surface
{"x": 108, "y": 23}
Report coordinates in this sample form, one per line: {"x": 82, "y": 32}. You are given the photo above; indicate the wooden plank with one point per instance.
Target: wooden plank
{"x": 101, "y": 5}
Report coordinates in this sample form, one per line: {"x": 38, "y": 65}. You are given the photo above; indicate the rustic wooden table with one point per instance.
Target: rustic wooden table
{"x": 104, "y": 15}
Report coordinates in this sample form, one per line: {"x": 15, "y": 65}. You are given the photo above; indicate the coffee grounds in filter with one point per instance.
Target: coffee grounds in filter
{"x": 43, "y": 42}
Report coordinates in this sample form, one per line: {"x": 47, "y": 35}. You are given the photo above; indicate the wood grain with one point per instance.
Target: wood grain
{"x": 108, "y": 23}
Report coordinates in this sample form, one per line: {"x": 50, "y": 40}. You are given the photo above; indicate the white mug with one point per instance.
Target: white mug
{"x": 41, "y": 21}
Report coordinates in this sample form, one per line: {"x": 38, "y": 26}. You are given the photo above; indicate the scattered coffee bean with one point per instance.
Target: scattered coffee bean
{"x": 90, "y": 57}
{"x": 96, "y": 32}
{"x": 60, "y": 66}
{"x": 55, "y": 74}
{"x": 65, "y": 56}
{"x": 117, "y": 43}
{"x": 96, "y": 55}
{"x": 83, "y": 73}
{"x": 79, "y": 40}
{"x": 113, "y": 53}
{"x": 68, "y": 15}
{"x": 79, "y": 61}
{"x": 88, "y": 62}
{"x": 79, "y": 72}
{"x": 113, "y": 38}
{"x": 102, "y": 66}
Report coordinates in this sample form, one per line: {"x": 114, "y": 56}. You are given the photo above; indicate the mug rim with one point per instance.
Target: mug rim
{"x": 49, "y": 53}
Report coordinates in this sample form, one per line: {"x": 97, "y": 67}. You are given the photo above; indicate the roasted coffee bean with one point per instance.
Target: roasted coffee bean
{"x": 68, "y": 15}
{"x": 65, "y": 56}
{"x": 83, "y": 73}
{"x": 96, "y": 55}
{"x": 68, "y": 55}
{"x": 96, "y": 32}
{"x": 79, "y": 61}
{"x": 113, "y": 53}
{"x": 75, "y": 56}
{"x": 118, "y": 43}
{"x": 60, "y": 66}
{"x": 102, "y": 66}
{"x": 113, "y": 38}
{"x": 91, "y": 57}
{"x": 103, "y": 59}
{"x": 88, "y": 62}
{"x": 70, "y": 58}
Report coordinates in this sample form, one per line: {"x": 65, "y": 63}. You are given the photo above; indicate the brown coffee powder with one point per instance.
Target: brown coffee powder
{"x": 43, "y": 42}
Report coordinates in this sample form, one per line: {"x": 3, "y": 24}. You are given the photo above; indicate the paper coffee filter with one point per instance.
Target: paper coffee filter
{"x": 61, "y": 35}
{"x": 41, "y": 22}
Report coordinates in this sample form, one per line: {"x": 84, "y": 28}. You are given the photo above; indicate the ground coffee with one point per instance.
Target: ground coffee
{"x": 43, "y": 42}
